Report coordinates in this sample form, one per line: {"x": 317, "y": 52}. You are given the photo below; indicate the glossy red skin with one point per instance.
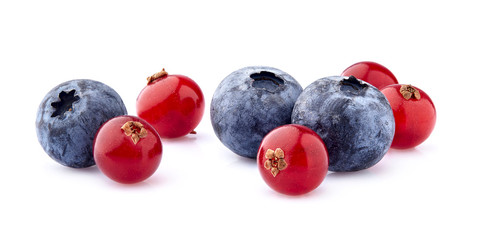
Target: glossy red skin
{"x": 119, "y": 158}
{"x": 414, "y": 119}
{"x": 306, "y": 157}
{"x": 173, "y": 104}
{"x": 371, "y": 72}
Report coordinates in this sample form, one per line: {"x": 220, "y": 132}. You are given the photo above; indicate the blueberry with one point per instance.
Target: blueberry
{"x": 353, "y": 118}
{"x": 70, "y": 115}
{"x": 249, "y": 103}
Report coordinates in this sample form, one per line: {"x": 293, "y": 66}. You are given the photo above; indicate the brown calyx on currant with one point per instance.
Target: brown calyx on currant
{"x": 134, "y": 129}
{"x": 156, "y": 76}
{"x": 275, "y": 161}
{"x": 408, "y": 92}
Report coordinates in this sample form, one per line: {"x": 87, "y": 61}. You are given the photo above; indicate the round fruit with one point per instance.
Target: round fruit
{"x": 371, "y": 72}
{"x": 172, "y": 104}
{"x": 127, "y": 149}
{"x": 69, "y": 116}
{"x": 292, "y": 159}
{"x": 353, "y": 118}
{"x": 414, "y": 114}
{"x": 249, "y": 103}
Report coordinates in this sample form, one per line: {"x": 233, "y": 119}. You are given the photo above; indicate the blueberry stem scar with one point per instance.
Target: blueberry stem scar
{"x": 65, "y": 103}
{"x": 352, "y": 84}
{"x": 266, "y": 80}
{"x": 156, "y": 76}
{"x": 134, "y": 129}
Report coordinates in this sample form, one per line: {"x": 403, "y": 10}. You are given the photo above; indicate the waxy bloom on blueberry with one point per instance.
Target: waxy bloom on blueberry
{"x": 69, "y": 116}
{"x": 249, "y": 103}
{"x": 353, "y": 118}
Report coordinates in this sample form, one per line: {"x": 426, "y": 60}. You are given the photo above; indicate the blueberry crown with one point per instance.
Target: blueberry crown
{"x": 65, "y": 103}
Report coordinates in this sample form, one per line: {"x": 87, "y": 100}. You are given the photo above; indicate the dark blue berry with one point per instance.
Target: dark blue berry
{"x": 69, "y": 117}
{"x": 353, "y": 118}
{"x": 249, "y": 103}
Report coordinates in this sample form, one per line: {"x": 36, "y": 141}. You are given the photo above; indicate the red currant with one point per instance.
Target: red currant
{"x": 292, "y": 159}
{"x": 414, "y": 114}
{"x": 371, "y": 72}
{"x": 172, "y": 104}
{"x": 127, "y": 149}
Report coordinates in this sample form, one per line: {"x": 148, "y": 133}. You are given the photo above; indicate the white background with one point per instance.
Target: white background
{"x": 202, "y": 190}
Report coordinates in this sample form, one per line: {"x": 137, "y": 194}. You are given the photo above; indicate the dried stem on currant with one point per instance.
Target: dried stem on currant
{"x": 156, "y": 76}
{"x": 134, "y": 129}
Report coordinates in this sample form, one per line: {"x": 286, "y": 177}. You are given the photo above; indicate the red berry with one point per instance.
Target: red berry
{"x": 127, "y": 149}
{"x": 371, "y": 72}
{"x": 292, "y": 159}
{"x": 414, "y": 114}
{"x": 172, "y": 104}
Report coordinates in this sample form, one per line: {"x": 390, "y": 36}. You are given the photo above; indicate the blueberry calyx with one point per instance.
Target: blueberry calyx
{"x": 65, "y": 103}
{"x": 353, "y": 85}
{"x": 266, "y": 80}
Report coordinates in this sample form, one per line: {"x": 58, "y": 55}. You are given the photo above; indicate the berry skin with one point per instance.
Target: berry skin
{"x": 69, "y": 116}
{"x": 127, "y": 149}
{"x": 353, "y": 118}
{"x": 292, "y": 159}
{"x": 414, "y": 114}
{"x": 172, "y": 104}
{"x": 371, "y": 72}
{"x": 249, "y": 103}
